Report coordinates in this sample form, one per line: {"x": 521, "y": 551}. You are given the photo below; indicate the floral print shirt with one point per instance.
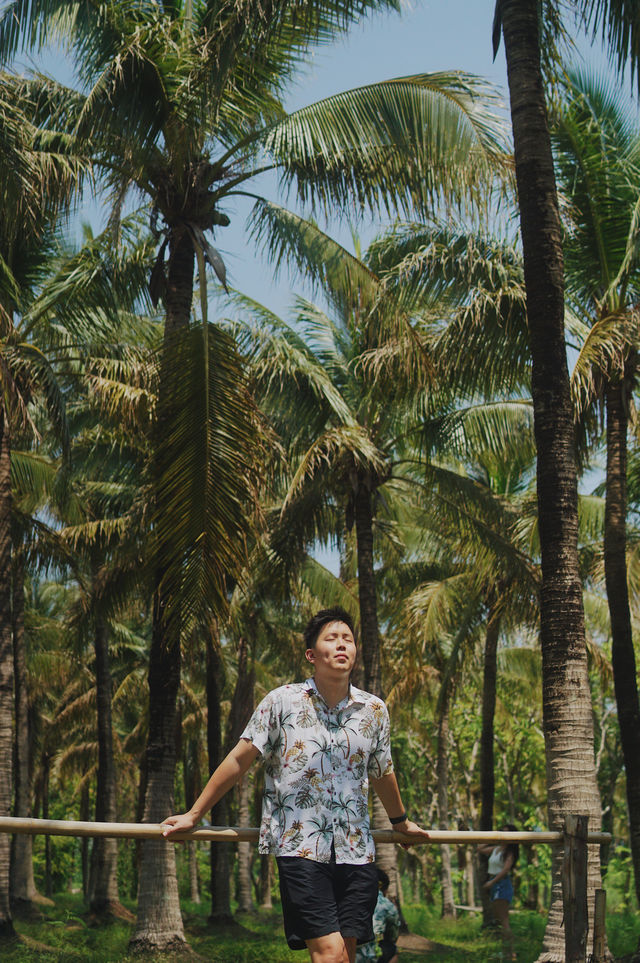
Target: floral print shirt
{"x": 317, "y": 764}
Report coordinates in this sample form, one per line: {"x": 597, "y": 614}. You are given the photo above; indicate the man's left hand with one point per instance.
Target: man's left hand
{"x": 409, "y": 828}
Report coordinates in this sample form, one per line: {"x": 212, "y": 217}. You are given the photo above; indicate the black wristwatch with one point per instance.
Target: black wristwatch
{"x": 398, "y": 819}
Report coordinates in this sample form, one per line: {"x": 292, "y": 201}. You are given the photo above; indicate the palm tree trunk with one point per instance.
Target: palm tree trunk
{"x": 487, "y": 762}
{"x": 369, "y": 631}
{"x": 103, "y": 888}
{"x": 220, "y": 852}
{"x": 23, "y": 887}
{"x": 239, "y": 714}
{"x": 84, "y": 842}
{"x": 487, "y": 756}
{"x": 567, "y": 712}
{"x": 442, "y": 777}
{"x": 46, "y": 773}
{"x": 192, "y": 786}
{"x": 266, "y": 876}
{"x": 159, "y": 923}
{"x": 615, "y": 568}
{"x": 6, "y": 674}
{"x": 245, "y": 889}
{"x": 386, "y": 855}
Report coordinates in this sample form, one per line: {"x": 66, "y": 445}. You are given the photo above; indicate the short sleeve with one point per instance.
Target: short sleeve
{"x": 263, "y": 728}
{"x": 380, "y": 762}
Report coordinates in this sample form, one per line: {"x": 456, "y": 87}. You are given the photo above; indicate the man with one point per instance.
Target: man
{"x": 321, "y": 741}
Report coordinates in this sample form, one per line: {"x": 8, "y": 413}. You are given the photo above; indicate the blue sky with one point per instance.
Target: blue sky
{"x": 432, "y": 35}
{"x": 429, "y": 35}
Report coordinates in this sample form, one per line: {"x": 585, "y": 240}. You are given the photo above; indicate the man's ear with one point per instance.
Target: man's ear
{"x": 310, "y": 655}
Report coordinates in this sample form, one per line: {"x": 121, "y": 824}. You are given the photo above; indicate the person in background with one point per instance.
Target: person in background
{"x": 502, "y": 860}
{"x": 386, "y": 926}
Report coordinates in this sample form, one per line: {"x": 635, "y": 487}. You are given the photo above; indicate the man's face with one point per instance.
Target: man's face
{"x": 335, "y": 649}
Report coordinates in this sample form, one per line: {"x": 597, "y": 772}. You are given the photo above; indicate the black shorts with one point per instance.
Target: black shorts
{"x": 322, "y": 898}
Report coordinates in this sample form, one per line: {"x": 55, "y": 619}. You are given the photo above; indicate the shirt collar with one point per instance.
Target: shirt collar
{"x": 352, "y": 697}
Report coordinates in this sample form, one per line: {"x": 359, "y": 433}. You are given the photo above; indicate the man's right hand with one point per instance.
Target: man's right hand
{"x": 178, "y": 824}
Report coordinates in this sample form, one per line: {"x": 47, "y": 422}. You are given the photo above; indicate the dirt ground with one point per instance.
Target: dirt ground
{"x": 419, "y": 944}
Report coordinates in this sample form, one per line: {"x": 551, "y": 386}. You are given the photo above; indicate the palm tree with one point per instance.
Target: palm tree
{"x": 572, "y": 783}
{"x": 597, "y": 162}
{"x": 345, "y": 391}
{"x": 37, "y": 182}
{"x": 467, "y": 571}
{"x": 77, "y": 302}
{"x": 103, "y": 534}
{"x": 184, "y": 103}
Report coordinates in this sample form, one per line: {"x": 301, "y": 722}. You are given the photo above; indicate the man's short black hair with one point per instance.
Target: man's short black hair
{"x": 322, "y": 618}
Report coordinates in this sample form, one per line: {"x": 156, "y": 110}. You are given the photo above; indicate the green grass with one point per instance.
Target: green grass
{"x": 467, "y": 942}
{"x": 64, "y": 936}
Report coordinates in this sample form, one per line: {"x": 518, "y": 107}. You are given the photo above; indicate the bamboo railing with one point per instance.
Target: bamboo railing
{"x": 573, "y": 839}
{"x": 438, "y": 837}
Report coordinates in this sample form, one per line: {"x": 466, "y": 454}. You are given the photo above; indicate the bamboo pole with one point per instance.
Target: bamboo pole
{"x": 70, "y": 827}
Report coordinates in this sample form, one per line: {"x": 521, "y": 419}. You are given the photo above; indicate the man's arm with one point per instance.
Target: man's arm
{"x": 389, "y": 792}
{"x": 229, "y": 772}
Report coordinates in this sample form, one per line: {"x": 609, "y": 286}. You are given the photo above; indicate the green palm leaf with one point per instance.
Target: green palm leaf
{"x": 207, "y": 460}
{"x": 413, "y": 141}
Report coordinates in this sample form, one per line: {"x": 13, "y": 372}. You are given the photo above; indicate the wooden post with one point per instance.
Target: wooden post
{"x": 599, "y": 931}
{"x": 574, "y": 888}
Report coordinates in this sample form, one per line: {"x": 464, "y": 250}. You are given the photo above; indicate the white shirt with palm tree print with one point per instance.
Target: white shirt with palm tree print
{"x": 317, "y": 765}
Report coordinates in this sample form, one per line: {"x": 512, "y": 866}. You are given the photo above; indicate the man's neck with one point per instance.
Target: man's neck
{"x": 332, "y": 691}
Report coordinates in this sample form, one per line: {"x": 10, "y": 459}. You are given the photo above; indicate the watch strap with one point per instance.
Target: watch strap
{"x": 398, "y": 819}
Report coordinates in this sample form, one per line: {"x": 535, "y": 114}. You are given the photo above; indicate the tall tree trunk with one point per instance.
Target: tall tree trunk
{"x": 6, "y": 674}
{"x": 239, "y": 714}
{"x": 46, "y": 774}
{"x": 615, "y": 568}
{"x": 84, "y": 842}
{"x": 487, "y": 762}
{"x": 192, "y": 787}
{"x": 23, "y": 887}
{"x": 266, "y": 876}
{"x": 194, "y": 878}
{"x": 442, "y": 776}
{"x": 369, "y": 631}
{"x": 567, "y": 711}
{"x": 159, "y": 923}
{"x": 103, "y": 889}
{"x": 487, "y": 755}
{"x": 469, "y": 877}
{"x": 245, "y": 889}
{"x": 386, "y": 855}
{"x": 220, "y": 852}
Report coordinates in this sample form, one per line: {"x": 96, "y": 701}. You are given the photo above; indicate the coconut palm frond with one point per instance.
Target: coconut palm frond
{"x": 502, "y": 428}
{"x": 288, "y": 238}
{"x": 33, "y": 476}
{"x": 323, "y": 584}
{"x": 344, "y": 443}
{"x": 602, "y": 356}
{"x": 208, "y": 459}
{"x": 406, "y": 144}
